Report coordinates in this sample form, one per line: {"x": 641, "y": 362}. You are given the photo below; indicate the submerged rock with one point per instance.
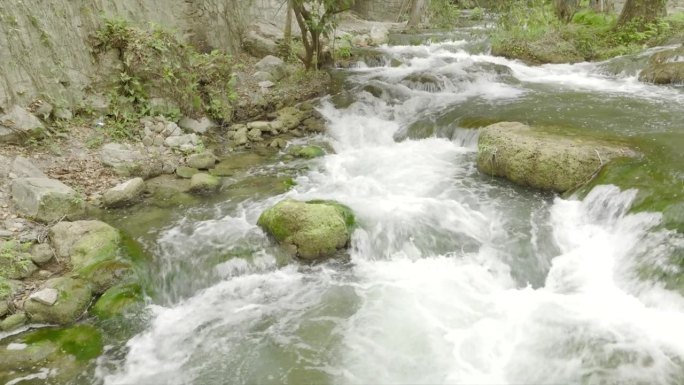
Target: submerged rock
{"x": 307, "y": 152}
{"x": 117, "y": 300}
{"x": 46, "y": 200}
{"x": 203, "y": 161}
{"x": 61, "y": 353}
{"x": 665, "y": 67}
{"x": 533, "y": 158}
{"x": 309, "y": 230}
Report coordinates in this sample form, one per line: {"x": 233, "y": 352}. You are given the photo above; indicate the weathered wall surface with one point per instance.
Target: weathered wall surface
{"x": 382, "y": 10}
{"x": 45, "y": 50}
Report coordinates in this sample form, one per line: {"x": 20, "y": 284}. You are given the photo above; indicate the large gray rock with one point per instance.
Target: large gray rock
{"x": 201, "y": 183}
{"x": 309, "y": 230}
{"x": 46, "y": 200}
{"x": 203, "y": 161}
{"x": 18, "y": 124}
{"x": 124, "y": 159}
{"x": 183, "y": 142}
{"x": 197, "y": 126}
{"x": 73, "y": 299}
{"x": 24, "y": 168}
{"x": 665, "y": 67}
{"x": 541, "y": 160}
{"x": 261, "y": 39}
{"x": 93, "y": 249}
{"x": 274, "y": 66}
{"x": 124, "y": 194}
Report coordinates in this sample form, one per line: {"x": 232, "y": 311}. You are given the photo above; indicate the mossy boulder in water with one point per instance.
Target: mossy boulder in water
{"x": 309, "y": 230}
{"x": 541, "y": 160}
{"x": 306, "y": 152}
{"x": 117, "y": 300}
{"x": 666, "y": 67}
{"x": 93, "y": 248}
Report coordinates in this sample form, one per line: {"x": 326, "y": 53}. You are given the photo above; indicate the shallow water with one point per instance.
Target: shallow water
{"x": 454, "y": 277}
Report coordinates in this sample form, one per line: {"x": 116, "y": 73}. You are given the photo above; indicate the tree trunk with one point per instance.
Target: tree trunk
{"x": 643, "y": 11}
{"x": 604, "y": 6}
{"x": 287, "y": 34}
{"x": 417, "y": 11}
{"x": 565, "y": 9}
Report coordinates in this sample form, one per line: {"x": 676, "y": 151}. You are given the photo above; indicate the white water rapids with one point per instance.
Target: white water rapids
{"x": 454, "y": 278}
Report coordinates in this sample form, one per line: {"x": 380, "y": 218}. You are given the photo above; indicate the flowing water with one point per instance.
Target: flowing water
{"x": 454, "y": 277}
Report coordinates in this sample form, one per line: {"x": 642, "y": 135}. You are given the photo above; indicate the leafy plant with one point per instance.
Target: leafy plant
{"x": 443, "y": 14}
{"x": 157, "y": 65}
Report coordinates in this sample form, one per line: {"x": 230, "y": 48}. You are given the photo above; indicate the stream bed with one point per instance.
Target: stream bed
{"x": 453, "y": 277}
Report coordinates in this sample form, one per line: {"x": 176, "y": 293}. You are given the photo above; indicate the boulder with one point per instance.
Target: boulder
{"x": 93, "y": 248}
{"x": 41, "y": 253}
{"x": 117, "y": 300}
{"x": 291, "y": 117}
{"x": 202, "y": 161}
{"x": 24, "y": 168}
{"x": 124, "y": 159}
{"x": 73, "y": 298}
{"x": 18, "y": 124}
{"x": 124, "y": 194}
{"x": 46, "y": 200}
{"x": 274, "y": 66}
{"x": 541, "y": 160}
{"x": 379, "y": 35}
{"x": 254, "y": 135}
{"x": 203, "y": 182}
{"x": 186, "y": 172}
{"x": 309, "y": 230}
{"x": 240, "y": 138}
{"x": 306, "y": 152}
{"x": 197, "y": 126}
{"x": 14, "y": 321}
{"x": 665, "y": 67}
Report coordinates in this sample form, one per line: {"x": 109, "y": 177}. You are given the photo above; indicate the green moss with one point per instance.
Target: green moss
{"x": 307, "y": 152}
{"x": 345, "y": 211}
{"x": 5, "y": 288}
{"x": 117, "y": 300}
{"x": 83, "y": 342}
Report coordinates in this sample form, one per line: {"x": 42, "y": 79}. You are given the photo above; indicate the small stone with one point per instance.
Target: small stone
{"x": 158, "y": 140}
{"x": 44, "y": 274}
{"x": 278, "y": 143}
{"x": 15, "y": 321}
{"x": 172, "y": 129}
{"x": 266, "y": 84}
{"x": 147, "y": 141}
{"x": 44, "y": 110}
{"x": 263, "y": 76}
{"x": 204, "y": 183}
{"x": 182, "y": 140}
{"x": 240, "y": 137}
{"x": 197, "y": 126}
{"x": 186, "y": 172}
{"x": 124, "y": 193}
{"x": 46, "y": 296}
{"x": 203, "y": 161}
{"x": 261, "y": 125}
{"x": 254, "y": 135}
{"x": 41, "y": 254}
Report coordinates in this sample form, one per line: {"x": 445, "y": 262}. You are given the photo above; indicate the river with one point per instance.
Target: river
{"x": 454, "y": 277}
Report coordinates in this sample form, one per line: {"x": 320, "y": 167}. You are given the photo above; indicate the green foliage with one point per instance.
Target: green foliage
{"x": 443, "y": 14}
{"x": 529, "y": 30}
{"x": 157, "y": 65}
{"x": 477, "y": 14}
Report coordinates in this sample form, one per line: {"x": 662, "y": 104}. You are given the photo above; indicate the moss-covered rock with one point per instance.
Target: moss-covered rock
{"x": 665, "y": 67}
{"x": 309, "y": 230}
{"x": 13, "y": 322}
{"x": 306, "y": 152}
{"x": 72, "y": 301}
{"x": 203, "y": 183}
{"x": 94, "y": 250}
{"x": 63, "y": 351}
{"x": 541, "y": 160}
{"x": 117, "y": 300}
